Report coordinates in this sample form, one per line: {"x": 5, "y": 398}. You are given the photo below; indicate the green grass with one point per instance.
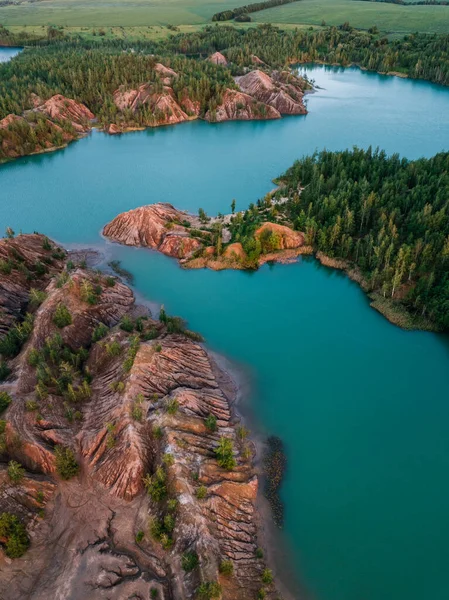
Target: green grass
{"x": 131, "y": 18}
{"x": 390, "y": 18}
{"x": 104, "y": 13}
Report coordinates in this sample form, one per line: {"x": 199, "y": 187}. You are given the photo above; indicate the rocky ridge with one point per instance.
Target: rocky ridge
{"x": 143, "y": 407}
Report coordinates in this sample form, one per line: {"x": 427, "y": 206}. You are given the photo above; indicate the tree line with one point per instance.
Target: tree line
{"x": 228, "y": 15}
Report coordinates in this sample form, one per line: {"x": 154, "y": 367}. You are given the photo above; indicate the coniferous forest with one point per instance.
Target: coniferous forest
{"x": 387, "y": 215}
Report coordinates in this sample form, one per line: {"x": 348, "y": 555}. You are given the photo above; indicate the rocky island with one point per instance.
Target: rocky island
{"x": 124, "y": 472}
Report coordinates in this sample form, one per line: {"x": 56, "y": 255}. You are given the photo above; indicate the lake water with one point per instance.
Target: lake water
{"x": 361, "y": 405}
{"x": 8, "y": 53}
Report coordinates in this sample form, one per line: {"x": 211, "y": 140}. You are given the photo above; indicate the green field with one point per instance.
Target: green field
{"x": 390, "y": 18}
{"x": 101, "y": 13}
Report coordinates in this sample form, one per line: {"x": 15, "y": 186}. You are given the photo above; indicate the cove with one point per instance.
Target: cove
{"x": 361, "y": 405}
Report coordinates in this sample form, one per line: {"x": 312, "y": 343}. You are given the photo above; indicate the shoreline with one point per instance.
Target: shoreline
{"x": 238, "y": 383}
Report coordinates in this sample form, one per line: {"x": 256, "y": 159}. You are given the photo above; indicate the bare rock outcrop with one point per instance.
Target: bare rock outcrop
{"x": 156, "y": 226}
{"x": 26, "y": 262}
{"x": 218, "y": 59}
{"x": 285, "y": 97}
{"x": 130, "y": 401}
{"x": 287, "y": 238}
{"x": 163, "y": 105}
{"x": 238, "y": 106}
{"x": 60, "y": 108}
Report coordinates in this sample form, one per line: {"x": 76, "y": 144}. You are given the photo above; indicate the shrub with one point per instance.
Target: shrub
{"x": 36, "y": 298}
{"x": 140, "y": 535}
{"x": 169, "y": 523}
{"x": 267, "y": 577}
{"x": 168, "y": 459}
{"x": 189, "y": 561}
{"x": 66, "y": 464}
{"x": 209, "y": 590}
{"x": 172, "y": 504}
{"x": 99, "y": 332}
{"x": 117, "y": 386}
{"x": 127, "y": 324}
{"x": 158, "y": 347}
{"x": 172, "y": 406}
{"x": 201, "y": 492}
{"x": 12, "y": 342}
{"x": 261, "y": 594}
{"x": 113, "y": 349}
{"x": 242, "y": 433}
{"x": 211, "y": 422}
{"x": 14, "y": 533}
{"x": 88, "y": 293}
{"x": 157, "y": 432}
{"x": 259, "y": 553}
{"x": 110, "y": 281}
{"x": 46, "y": 244}
{"x": 62, "y": 316}
{"x": 62, "y": 279}
{"x": 226, "y": 568}
{"x": 31, "y": 405}
{"x": 225, "y": 454}
{"x": 154, "y": 593}
{"x": 5, "y": 401}
{"x": 15, "y": 471}
{"x": 4, "y": 370}
{"x": 156, "y": 484}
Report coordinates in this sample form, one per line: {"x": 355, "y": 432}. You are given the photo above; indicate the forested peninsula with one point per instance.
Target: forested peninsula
{"x": 384, "y": 220}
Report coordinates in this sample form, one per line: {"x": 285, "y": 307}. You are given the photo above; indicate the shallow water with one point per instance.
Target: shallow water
{"x": 361, "y": 405}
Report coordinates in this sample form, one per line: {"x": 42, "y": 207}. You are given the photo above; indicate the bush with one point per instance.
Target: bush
{"x": 201, "y": 492}
{"x": 113, "y": 349}
{"x": 226, "y": 568}
{"x": 211, "y": 422}
{"x": 139, "y": 537}
{"x": 156, "y": 484}
{"x": 189, "y": 561}
{"x": 99, "y": 332}
{"x": 267, "y": 577}
{"x": 5, "y": 401}
{"x": 66, "y": 464}
{"x": 225, "y": 454}
{"x": 14, "y": 533}
{"x": 209, "y": 590}
{"x": 12, "y": 342}
{"x": 4, "y": 370}
{"x": 259, "y": 553}
{"x": 62, "y": 316}
{"x": 172, "y": 406}
{"x": 15, "y": 471}
{"x": 127, "y": 324}
{"x": 36, "y": 298}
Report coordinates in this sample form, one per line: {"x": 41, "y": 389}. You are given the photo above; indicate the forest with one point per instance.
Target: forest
{"x": 90, "y": 71}
{"x": 385, "y": 214}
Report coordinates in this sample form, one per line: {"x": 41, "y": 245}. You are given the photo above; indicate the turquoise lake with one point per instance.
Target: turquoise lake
{"x": 8, "y": 53}
{"x": 362, "y": 406}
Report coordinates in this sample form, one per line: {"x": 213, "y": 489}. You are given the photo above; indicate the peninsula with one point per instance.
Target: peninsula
{"x": 124, "y": 471}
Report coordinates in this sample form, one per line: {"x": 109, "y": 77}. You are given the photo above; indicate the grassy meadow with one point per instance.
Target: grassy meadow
{"x": 390, "y": 18}
{"x": 149, "y": 18}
